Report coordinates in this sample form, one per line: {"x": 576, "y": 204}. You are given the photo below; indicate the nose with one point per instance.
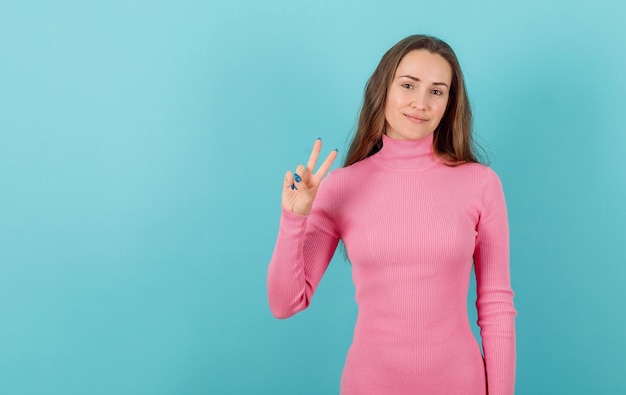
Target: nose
{"x": 419, "y": 101}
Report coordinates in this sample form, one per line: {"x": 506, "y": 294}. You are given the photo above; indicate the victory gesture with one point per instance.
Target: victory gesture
{"x": 299, "y": 189}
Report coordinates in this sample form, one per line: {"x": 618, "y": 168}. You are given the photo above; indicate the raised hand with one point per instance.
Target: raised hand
{"x": 299, "y": 189}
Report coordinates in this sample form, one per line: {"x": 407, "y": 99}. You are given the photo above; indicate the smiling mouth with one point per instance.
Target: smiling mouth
{"x": 415, "y": 119}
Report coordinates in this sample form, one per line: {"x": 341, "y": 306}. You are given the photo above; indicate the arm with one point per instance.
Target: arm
{"x": 304, "y": 248}
{"x": 306, "y": 239}
{"x": 494, "y": 302}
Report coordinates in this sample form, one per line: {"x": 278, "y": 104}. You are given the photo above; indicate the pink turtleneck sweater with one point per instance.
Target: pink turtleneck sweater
{"x": 413, "y": 228}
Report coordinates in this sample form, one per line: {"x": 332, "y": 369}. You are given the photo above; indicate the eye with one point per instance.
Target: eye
{"x": 406, "y": 85}
{"x": 437, "y": 92}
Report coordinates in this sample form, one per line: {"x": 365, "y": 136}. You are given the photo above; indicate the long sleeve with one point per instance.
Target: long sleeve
{"x": 303, "y": 250}
{"x": 496, "y": 313}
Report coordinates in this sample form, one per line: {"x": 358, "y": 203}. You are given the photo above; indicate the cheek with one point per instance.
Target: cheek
{"x": 441, "y": 109}
{"x": 390, "y": 106}
{"x": 395, "y": 99}
{"x": 386, "y": 112}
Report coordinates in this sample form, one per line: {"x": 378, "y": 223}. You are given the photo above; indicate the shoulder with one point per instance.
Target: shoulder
{"x": 475, "y": 176}
{"x": 488, "y": 183}
{"x": 343, "y": 174}
{"x": 489, "y": 177}
{"x": 478, "y": 168}
{"x": 341, "y": 183}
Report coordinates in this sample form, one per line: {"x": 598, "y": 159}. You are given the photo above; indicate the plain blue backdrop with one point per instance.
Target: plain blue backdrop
{"x": 142, "y": 150}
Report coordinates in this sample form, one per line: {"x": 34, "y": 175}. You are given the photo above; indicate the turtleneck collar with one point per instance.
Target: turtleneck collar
{"x": 406, "y": 154}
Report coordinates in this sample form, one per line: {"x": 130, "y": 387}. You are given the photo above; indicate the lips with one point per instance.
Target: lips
{"x": 415, "y": 118}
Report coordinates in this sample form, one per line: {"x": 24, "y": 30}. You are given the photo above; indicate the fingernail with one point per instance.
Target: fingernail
{"x": 293, "y": 187}
{"x": 297, "y": 177}
{"x": 336, "y": 150}
{"x": 319, "y": 138}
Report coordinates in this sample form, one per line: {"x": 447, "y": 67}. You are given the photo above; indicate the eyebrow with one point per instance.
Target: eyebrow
{"x": 418, "y": 80}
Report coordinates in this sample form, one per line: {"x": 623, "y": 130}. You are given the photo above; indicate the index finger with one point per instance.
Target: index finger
{"x": 317, "y": 147}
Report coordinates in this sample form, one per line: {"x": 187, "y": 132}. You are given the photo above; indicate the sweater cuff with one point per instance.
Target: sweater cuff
{"x": 288, "y": 216}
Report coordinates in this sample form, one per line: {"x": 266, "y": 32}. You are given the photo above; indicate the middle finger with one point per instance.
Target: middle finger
{"x": 317, "y": 147}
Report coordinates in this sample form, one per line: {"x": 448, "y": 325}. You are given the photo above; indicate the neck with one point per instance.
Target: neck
{"x": 406, "y": 154}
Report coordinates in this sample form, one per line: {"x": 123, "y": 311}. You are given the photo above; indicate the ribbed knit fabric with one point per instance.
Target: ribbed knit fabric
{"x": 412, "y": 227}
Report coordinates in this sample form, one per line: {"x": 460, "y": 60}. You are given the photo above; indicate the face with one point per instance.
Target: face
{"x": 418, "y": 95}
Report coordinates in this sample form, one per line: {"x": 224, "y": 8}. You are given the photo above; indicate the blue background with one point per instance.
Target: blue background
{"x": 142, "y": 150}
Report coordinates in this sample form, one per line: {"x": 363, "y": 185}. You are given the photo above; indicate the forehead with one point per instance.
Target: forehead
{"x": 425, "y": 65}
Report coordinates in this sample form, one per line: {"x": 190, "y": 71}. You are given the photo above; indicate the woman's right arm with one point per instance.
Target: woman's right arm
{"x": 306, "y": 240}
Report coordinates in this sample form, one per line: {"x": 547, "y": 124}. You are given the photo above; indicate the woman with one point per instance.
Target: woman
{"x": 416, "y": 211}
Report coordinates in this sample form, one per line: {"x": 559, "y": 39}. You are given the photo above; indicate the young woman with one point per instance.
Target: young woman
{"x": 416, "y": 212}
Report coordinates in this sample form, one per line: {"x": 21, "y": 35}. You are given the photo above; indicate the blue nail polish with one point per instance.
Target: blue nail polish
{"x": 297, "y": 177}
{"x": 293, "y": 187}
